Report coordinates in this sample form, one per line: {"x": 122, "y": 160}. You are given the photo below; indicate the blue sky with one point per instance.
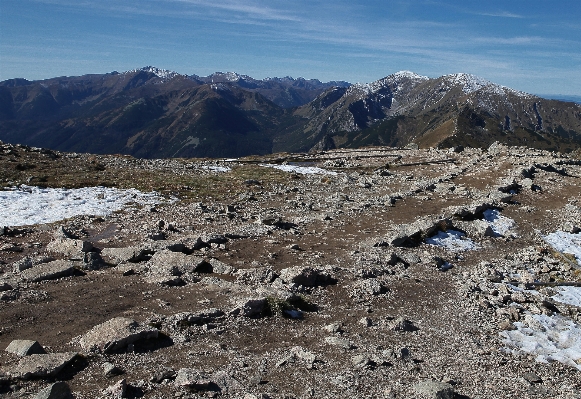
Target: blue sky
{"x": 532, "y": 45}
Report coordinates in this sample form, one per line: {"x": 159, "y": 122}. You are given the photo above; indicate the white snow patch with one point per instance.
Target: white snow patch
{"x": 28, "y": 205}
{"x": 215, "y": 168}
{"x": 550, "y": 338}
{"x": 305, "y": 170}
{"x": 566, "y": 243}
{"x": 568, "y": 295}
{"x": 452, "y": 240}
{"x": 499, "y": 224}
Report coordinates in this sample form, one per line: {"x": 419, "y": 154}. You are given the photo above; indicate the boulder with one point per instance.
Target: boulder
{"x": 196, "y": 380}
{"x": 251, "y": 307}
{"x": 117, "y": 390}
{"x": 24, "y": 347}
{"x": 4, "y": 286}
{"x": 115, "y": 334}
{"x": 341, "y": 342}
{"x": 69, "y": 247}
{"x": 58, "y": 390}
{"x": 401, "y": 324}
{"x": 49, "y": 271}
{"x": 305, "y": 276}
{"x": 122, "y": 255}
{"x": 42, "y": 365}
{"x": 434, "y": 389}
{"x": 22, "y": 264}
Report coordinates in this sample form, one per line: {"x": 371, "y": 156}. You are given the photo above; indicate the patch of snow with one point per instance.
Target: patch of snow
{"x": 499, "y": 224}
{"x": 305, "y": 170}
{"x": 567, "y": 243}
{"x": 27, "y": 205}
{"x": 568, "y": 295}
{"x": 452, "y": 240}
{"x": 216, "y": 168}
{"x": 550, "y": 338}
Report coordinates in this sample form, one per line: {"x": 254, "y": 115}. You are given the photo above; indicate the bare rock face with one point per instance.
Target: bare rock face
{"x": 49, "y": 271}
{"x": 115, "y": 334}
{"x": 42, "y": 366}
{"x": 24, "y": 347}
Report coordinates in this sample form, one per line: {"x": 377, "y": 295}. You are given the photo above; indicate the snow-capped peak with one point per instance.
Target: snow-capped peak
{"x": 373, "y": 87}
{"x": 160, "y": 73}
{"x": 409, "y": 75}
{"x": 229, "y": 76}
{"x": 470, "y": 83}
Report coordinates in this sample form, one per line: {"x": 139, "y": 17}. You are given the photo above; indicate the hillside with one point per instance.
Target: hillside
{"x": 448, "y": 111}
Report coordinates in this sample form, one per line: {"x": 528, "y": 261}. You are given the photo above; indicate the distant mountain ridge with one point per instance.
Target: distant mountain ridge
{"x": 151, "y": 112}
{"x": 457, "y": 109}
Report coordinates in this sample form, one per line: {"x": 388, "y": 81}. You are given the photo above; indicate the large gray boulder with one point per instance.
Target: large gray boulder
{"x": 58, "y": 390}
{"x": 126, "y": 254}
{"x": 305, "y": 276}
{"x": 41, "y": 366}
{"x": 25, "y": 347}
{"x": 193, "y": 379}
{"x": 115, "y": 334}
{"x": 69, "y": 247}
{"x": 49, "y": 271}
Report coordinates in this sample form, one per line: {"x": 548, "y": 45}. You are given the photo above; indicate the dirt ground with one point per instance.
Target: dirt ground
{"x": 334, "y": 223}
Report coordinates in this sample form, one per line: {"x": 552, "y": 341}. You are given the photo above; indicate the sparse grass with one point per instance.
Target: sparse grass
{"x": 64, "y": 172}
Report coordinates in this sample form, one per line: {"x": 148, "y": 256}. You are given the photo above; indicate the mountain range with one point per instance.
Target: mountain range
{"x": 155, "y": 113}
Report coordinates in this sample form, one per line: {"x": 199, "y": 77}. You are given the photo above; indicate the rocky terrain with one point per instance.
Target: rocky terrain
{"x": 371, "y": 273}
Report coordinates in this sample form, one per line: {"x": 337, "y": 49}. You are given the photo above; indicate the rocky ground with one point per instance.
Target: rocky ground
{"x": 255, "y": 282}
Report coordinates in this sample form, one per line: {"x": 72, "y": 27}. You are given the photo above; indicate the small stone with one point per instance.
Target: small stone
{"x": 117, "y": 390}
{"x": 362, "y": 361}
{"x": 532, "y": 378}
{"x": 366, "y": 321}
{"x": 333, "y": 328}
{"x": 110, "y": 370}
{"x": 341, "y": 342}
{"x": 401, "y": 324}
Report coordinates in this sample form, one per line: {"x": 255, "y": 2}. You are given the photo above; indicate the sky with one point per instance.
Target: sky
{"x": 532, "y": 45}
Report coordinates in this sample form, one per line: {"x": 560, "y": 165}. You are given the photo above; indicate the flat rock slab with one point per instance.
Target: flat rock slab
{"x": 195, "y": 380}
{"x": 49, "y": 271}
{"x": 67, "y": 246}
{"x": 115, "y": 334}
{"x": 25, "y": 347}
{"x": 122, "y": 255}
{"x": 41, "y": 366}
